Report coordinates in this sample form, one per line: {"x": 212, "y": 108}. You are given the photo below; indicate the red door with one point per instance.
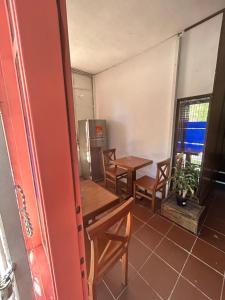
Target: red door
{"x": 37, "y": 108}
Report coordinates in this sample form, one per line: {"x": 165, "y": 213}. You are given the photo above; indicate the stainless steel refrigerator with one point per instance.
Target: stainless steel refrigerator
{"x": 92, "y": 138}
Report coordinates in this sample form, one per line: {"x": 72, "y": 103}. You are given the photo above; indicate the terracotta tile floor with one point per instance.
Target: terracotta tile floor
{"x": 168, "y": 262}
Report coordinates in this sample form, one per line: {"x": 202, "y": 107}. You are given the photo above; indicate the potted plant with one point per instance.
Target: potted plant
{"x": 185, "y": 180}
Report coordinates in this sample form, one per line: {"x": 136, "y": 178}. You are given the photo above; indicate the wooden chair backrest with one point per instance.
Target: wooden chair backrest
{"x": 99, "y": 230}
{"x": 163, "y": 171}
{"x": 108, "y": 156}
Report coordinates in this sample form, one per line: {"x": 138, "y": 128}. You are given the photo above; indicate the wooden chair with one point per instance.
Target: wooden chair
{"x": 112, "y": 173}
{"x": 107, "y": 242}
{"x": 147, "y": 187}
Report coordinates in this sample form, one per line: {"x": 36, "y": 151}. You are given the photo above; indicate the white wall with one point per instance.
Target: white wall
{"x": 83, "y": 97}
{"x": 136, "y": 99}
{"x": 198, "y": 58}
{"x": 83, "y": 101}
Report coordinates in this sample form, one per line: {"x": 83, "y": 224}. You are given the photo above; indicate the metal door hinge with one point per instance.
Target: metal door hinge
{"x": 79, "y": 227}
{"x": 78, "y": 209}
{"x": 82, "y": 260}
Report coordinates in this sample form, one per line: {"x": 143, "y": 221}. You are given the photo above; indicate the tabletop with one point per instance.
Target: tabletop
{"x": 132, "y": 162}
{"x": 95, "y": 199}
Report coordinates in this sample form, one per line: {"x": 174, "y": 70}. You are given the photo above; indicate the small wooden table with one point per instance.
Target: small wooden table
{"x": 132, "y": 163}
{"x": 95, "y": 200}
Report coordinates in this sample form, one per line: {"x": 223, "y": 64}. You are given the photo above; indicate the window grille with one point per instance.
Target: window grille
{"x": 191, "y": 127}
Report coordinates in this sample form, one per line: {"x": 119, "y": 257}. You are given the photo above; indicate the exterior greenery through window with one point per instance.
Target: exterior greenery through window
{"x": 191, "y": 126}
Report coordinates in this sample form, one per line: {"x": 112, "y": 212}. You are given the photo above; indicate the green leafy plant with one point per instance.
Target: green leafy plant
{"x": 185, "y": 179}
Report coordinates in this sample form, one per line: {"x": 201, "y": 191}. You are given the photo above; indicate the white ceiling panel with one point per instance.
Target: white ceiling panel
{"x": 104, "y": 33}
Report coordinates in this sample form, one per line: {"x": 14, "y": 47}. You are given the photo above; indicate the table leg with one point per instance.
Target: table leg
{"x": 130, "y": 179}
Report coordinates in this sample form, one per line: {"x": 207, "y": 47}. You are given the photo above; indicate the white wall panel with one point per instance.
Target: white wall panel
{"x": 198, "y": 58}
{"x": 136, "y": 99}
{"x": 82, "y": 81}
{"x": 83, "y": 100}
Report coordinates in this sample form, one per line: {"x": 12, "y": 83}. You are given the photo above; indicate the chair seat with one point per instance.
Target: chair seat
{"x": 146, "y": 182}
{"x": 115, "y": 172}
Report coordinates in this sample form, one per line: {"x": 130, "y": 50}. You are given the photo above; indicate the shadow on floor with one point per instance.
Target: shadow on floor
{"x": 168, "y": 262}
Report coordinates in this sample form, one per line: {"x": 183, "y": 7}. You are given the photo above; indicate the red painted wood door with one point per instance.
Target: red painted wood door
{"x": 37, "y": 108}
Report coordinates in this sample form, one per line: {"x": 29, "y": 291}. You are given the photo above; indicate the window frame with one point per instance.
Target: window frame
{"x": 175, "y": 136}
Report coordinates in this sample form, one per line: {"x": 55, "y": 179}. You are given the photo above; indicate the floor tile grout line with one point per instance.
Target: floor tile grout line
{"x": 173, "y": 224}
{"x": 202, "y": 261}
{"x": 153, "y": 252}
{"x": 149, "y": 255}
{"x": 144, "y": 222}
{"x": 183, "y": 229}
{"x": 171, "y": 227}
{"x": 142, "y": 226}
{"x": 211, "y": 244}
{"x": 158, "y": 230}
{"x": 189, "y": 253}
{"x": 207, "y": 213}
{"x": 151, "y": 228}
{"x": 223, "y": 252}
{"x": 181, "y": 270}
{"x": 221, "y": 294}
{"x": 194, "y": 244}
{"x": 162, "y": 234}
{"x": 111, "y": 293}
{"x": 147, "y": 283}
{"x": 219, "y": 232}
{"x": 163, "y": 237}
{"x": 178, "y": 277}
{"x": 123, "y": 290}
{"x": 182, "y": 248}
{"x": 197, "y": 288}
{"x": 130, "y": 264}
{"x": 138, "y": 271}
{"x": 203, "y": 224}
{"x": 138, "y": 229}
{"x": 156, "y": 254}
{"x": 153, "y": 215}
{"x": 121, "y": 293}
{"x": 162, "y": 259}
{"x": 189, "y": 280}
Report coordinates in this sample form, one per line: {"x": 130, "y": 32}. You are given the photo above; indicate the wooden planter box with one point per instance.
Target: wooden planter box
{"x": 190, "y": 216}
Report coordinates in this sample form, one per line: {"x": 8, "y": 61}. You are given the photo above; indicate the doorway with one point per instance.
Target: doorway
{"x": 12, "y": 248}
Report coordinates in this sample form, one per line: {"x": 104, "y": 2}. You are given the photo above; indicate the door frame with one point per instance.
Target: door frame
{"x": 37, "y": 108}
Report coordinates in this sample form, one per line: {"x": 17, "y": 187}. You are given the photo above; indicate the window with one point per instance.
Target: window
{"x": 191, "y": 126}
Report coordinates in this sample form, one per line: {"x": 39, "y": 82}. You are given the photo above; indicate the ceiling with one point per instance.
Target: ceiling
{"x": 104, "y": 33}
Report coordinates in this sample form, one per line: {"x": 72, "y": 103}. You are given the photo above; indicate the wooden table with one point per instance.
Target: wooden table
{"x": 95, "y": 200}
{"x": 132, "y": 163}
